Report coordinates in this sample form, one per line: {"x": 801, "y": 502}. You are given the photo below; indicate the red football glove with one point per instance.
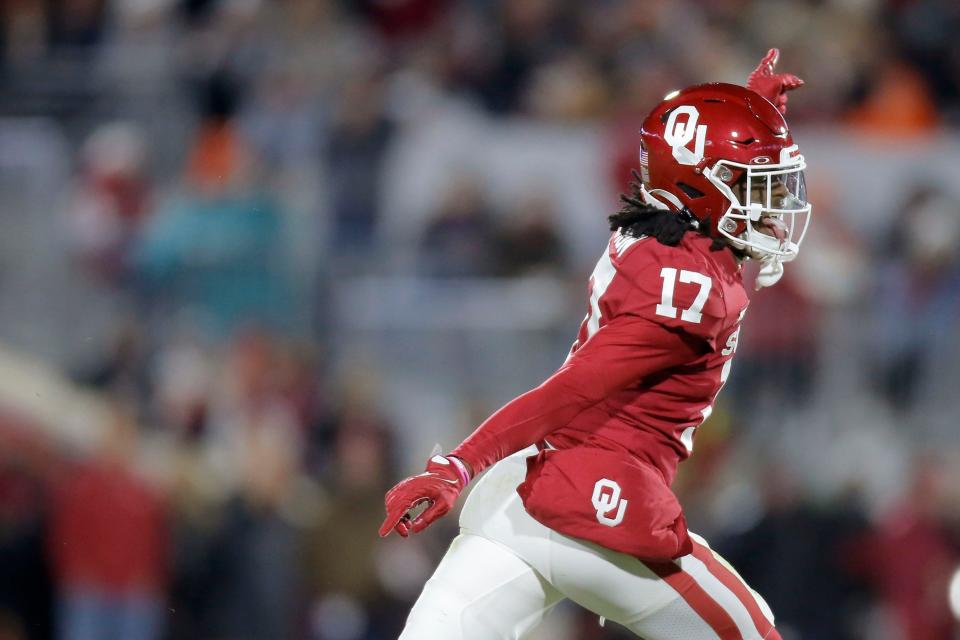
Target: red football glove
{"x": 438, "y": 486}
{"x": 773, "y": 86}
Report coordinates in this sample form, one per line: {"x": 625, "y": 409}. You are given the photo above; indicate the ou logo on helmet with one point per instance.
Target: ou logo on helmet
{"x": 606, "y": 500}
{"x": 680, "y": 133}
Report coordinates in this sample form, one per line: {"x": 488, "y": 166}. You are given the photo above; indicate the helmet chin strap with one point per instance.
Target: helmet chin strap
{"x": 771, "y": 269}
{"x": 770, "y": 273}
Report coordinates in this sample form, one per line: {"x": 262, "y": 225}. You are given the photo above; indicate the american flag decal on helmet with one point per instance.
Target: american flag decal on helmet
{"x": 644, "y": 164}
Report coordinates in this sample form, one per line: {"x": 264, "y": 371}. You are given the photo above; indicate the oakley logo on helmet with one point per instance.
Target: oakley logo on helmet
{"x": 606, "y": 499}
{"x": 680, "y": 134}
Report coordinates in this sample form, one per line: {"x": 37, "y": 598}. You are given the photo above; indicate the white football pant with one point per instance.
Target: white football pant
{"x": 505, "y": 571}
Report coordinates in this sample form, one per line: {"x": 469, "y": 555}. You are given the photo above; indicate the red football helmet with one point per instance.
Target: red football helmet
{"x": 724, "y": 153}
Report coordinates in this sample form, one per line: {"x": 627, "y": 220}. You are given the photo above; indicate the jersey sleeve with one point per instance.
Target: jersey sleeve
{"x": 620, "y": 353}
{"x": 670, "y": 287}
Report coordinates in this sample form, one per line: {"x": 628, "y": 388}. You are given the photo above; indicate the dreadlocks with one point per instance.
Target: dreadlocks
{"x": 637, "y": 218}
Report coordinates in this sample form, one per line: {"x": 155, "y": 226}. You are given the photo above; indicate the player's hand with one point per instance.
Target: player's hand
{"x": 437, "y": 487}
{"x": 773, "y": 86}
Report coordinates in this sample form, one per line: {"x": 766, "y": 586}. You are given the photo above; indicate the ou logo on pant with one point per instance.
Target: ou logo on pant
{"x": 606, "y": 500}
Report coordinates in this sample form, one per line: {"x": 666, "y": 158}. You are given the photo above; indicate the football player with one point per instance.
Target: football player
{"x": 577, "y": 503}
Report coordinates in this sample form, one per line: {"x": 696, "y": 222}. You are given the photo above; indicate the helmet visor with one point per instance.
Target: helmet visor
{"x": 775, "y": 192}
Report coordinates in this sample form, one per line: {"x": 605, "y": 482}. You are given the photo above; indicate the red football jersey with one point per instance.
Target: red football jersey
{"x": 688, "y": 289}
{"x": 650, "y": 357}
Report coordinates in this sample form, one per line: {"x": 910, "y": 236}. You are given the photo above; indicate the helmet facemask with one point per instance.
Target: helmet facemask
{"x": 769, "y": 213}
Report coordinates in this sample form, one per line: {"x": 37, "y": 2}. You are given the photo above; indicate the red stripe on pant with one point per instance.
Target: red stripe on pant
{"x": 732, "y": 582}
{"x": 698, "y": 599}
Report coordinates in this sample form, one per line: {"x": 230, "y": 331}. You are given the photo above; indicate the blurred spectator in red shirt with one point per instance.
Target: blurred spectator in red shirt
{"x": 912, "y": 555}
{"x": 402, "y": 20}
{"x": 108, "y": 544}
{"x": 777, "y": 358}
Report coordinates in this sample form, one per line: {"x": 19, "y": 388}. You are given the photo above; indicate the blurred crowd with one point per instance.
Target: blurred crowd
{"x": 287, "y": 245}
